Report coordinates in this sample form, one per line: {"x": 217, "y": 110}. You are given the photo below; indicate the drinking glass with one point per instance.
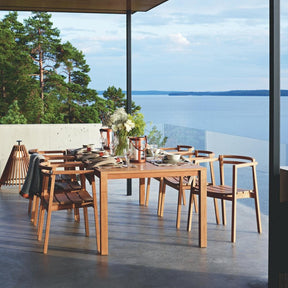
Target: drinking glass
{"x": 127, "y": 155}
{"x": 154, "y": 148}
{"x": 113, "y": 144}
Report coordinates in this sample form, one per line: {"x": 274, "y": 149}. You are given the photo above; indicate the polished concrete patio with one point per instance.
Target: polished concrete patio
{"x": 144, "y": 250}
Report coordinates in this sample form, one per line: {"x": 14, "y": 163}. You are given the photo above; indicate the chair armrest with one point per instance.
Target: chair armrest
{"x": 51, "y": 169}
{"x": 248, "y": 164}
{"x": 204, "y": 159}
{"x": 46, "y": 165}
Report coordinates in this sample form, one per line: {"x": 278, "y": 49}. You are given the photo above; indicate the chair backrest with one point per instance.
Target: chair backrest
{"x": 47, "y": 152}
{"x": 70, "y": 169}
{"x": 53, "y": 155}
{"x": 205, "y": 156}
{"x": 178, "y": 148}
{"x": 237, "y": 161}
{"x": 183, "y": 150}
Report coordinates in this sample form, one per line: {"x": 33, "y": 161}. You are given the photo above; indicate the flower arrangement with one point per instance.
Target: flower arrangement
{"x": 125, "y": 125}
{"x": 121, "y": 122}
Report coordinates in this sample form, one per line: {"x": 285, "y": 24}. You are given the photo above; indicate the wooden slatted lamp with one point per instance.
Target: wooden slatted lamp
{"x": 16, "y": 167}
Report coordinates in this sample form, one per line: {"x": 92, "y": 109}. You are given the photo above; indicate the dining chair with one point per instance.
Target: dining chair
{"x": 62, "y": 196}
{"x": 182, "y": 184}
{"x": 233, "y": 192}
{"x": 179, "y": 149}
{"x": 53, "y": 156}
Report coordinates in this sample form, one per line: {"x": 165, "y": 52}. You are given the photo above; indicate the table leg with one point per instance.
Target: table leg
{"x": 103, "y": 215}
{"x": 203, "y": 209}
{"x": 142, "y": 191}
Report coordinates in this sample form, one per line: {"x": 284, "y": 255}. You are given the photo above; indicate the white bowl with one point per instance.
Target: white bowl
{"x": 172, "y": 158}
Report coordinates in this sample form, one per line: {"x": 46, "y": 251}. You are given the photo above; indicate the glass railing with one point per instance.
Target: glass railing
{"x": 229, "y": 144}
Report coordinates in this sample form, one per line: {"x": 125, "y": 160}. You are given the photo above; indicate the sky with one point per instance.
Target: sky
{"x": 181, "y": 45}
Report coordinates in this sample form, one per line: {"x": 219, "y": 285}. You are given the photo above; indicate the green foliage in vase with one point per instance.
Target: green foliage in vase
{"x": 140, "y": 124}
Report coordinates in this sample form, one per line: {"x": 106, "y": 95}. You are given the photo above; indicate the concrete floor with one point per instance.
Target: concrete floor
{"x": 144, "y": 250}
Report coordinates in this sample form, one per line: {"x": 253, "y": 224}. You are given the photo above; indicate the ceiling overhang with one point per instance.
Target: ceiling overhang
{"x": 81, "y": 6}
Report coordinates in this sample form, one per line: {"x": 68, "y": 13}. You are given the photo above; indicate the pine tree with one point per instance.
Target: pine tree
{"x": 15, "y": 64}
{"x": 79, "y": 103}
{"x": 117, "y": 99}
{"x": 49, "y": 79}
{"x": 42, "y": 41}
{"x": 13, "y": 116}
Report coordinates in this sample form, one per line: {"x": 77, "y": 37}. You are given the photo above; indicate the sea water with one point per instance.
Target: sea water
{"x": 246, "y": 116}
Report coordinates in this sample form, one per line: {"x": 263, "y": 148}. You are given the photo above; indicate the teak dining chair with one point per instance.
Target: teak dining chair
{"x": 181, "y": 184}
{"x": 43, "y": 154}
{"x": 179, "y": 149}
{"x": 53, "y": 156}
{"x": 67, "y": 196}
{"x": 233, "y": 193}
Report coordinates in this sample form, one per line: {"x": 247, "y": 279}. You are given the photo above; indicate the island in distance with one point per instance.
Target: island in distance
{"x": 228, "y": 93}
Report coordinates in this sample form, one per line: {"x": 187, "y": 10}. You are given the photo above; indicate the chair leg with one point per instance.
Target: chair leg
{"x": 256, "y": 198}
{"x": 40, "y": 223}
{"x": 33, "y": 207}
{"x": 216, "y": 211}
{"x": 161, "y": 197}
{"x": 190, "y": 212}
{"x": 35, "y": 217}
{"x": 47, "y": 231}
{"x": 76, "y": 215}
{"x": 195, "y": 203}
{"x": 180, "y": 197}
{"x": 223, "y": 212}
{"x": 85, "y": 212}
{"x": 258, "y": 215}
{"x": 184, "y": 198}
{"x": 147, "y": 191}
{"x": 233, "y": 228}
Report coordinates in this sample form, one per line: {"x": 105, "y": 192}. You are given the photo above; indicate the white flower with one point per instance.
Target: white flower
{"x": 120, "y": 122}
{"x": 119, "y": 116}
{"x": 129, "y": 125}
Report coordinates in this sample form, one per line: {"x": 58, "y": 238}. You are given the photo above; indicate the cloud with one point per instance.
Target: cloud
{"x": 179, "y": 39}
{"x": 219, "y": 43}
{"x": 178, "y": 42}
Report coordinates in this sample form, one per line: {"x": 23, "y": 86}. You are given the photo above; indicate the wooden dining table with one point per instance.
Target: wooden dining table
{"x": 143, "y": 171}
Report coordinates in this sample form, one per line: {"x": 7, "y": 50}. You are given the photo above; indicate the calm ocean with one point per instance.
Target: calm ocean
{"x": 236, "y": 115}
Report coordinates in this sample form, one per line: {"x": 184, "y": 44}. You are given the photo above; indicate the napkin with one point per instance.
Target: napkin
{"x": 100, "y": 161}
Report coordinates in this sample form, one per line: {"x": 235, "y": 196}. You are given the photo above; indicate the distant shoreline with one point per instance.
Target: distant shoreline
{"x": 229, "y": 93}
{"x": 210, "y": 93}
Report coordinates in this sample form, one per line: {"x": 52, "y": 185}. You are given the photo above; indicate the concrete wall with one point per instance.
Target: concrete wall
{"x": 46, "y": 137}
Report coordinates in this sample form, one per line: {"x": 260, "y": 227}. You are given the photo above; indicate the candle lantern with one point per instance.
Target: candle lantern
{"x": 138, "y": 147}
{"x": 106, "y": 138}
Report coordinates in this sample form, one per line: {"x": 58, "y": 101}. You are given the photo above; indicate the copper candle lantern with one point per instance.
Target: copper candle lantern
{"x": 106, "y": 137}
{"x": 138, "y": 147}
